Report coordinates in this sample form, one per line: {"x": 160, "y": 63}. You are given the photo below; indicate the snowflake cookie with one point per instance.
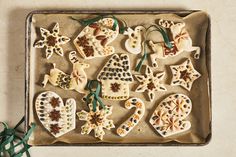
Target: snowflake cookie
{"x": 184, "y": 74}
{"x": 58, "y": 118}
{"x": 96, "y": 121}
{"x": 93, "y": 41}
{"x": 52, "y": 41}
{"x": 150, "y": 82}
{"x": 132, "y": 121}
{"x": 169, "y": 117}
{"x": 115, "y": 77}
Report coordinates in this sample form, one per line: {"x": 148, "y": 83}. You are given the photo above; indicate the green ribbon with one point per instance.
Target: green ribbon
{"x": 166, "y": 40}
{"x": 122, "y": 28}
{"x": 94, "y": 94}
{"x": 10, "y": 140}
{"x": 165, "y": 37}
{"x": 86, "y": 22}
{"x": 144, "y": 57}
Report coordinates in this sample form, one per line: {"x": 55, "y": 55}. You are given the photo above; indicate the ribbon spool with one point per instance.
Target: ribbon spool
{"x": 10, "y": 141}
{"x": 95, "y": 94}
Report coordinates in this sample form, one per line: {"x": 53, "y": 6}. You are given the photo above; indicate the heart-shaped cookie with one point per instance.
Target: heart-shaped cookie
{"x": 56, "y": 117}
{"x": 169, "y": 117}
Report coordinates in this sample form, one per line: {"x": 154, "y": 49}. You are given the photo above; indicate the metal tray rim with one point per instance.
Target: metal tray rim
{"x": 81, "y": 11}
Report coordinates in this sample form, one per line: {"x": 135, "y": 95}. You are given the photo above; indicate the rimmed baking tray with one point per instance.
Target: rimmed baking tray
{"x": 36, "y": 66}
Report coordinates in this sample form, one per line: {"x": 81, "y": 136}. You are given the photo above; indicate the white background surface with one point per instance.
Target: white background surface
{"x": 223, "y": 18}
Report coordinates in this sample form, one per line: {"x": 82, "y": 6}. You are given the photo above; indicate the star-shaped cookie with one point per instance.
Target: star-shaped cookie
{"x": 150, "y": 82}
{"x": 52, "y": 41}
{"x": 184, "y": 74}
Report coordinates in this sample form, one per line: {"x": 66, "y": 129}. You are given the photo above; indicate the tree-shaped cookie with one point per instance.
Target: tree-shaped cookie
{"x": 184, "y": 74}
{"x": 58, "y": 118}
{"x": 169, "y": 117}
{"x": 150, "y": 82}
{"x": 115, "y": 77}
{"x": 52, "y": 41}
{"x": 93, "y": 40}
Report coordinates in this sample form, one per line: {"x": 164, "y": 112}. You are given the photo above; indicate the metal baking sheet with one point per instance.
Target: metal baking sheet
{"x": 36, "y": 66}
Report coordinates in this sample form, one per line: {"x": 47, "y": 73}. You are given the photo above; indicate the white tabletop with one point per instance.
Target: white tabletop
{"x": 223, "y": 19}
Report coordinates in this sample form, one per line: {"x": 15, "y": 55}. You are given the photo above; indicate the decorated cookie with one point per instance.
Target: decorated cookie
{"x": 96, "y": 120}
{"x": 150, "y": 83}
{"x": 131, "y": 122}
{"x": 94, "y": 39}
{"x": 134, "y": 43}
{"x": 169, "y": 117}
{"x": 77, "y": 80}
{"x": 58, "y": 118}
{"x": 184, "y": 74}
{"x": 181, "y": 41}
{"x": 115, "y": 77}
{"x": 52, "y": 41}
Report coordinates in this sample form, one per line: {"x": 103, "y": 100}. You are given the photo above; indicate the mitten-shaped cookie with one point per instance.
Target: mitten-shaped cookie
{"x": 58, "y": 118}
{"x": 94, "y": 39}
{"x": 169, "y": 118}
